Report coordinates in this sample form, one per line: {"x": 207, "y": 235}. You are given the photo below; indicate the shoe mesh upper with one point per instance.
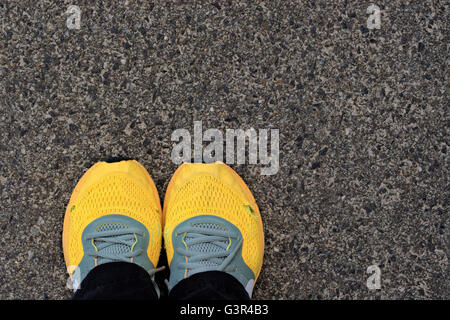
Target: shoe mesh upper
{"x": 207, "y": 194}
{"x": 116, "y": 193}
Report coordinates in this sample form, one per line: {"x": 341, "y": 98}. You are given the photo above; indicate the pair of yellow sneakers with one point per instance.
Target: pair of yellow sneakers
{"x": 210, "y": 222}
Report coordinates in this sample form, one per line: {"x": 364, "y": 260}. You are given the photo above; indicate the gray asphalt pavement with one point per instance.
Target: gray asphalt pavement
{"x": 362, "y": 116}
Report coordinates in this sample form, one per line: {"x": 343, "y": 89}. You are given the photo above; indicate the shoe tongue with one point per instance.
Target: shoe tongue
{"x": 207, "y": 247}
{"x": 115, "y": 248}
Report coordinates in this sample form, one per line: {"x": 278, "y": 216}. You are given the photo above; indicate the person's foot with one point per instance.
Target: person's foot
{"x": 212, "y": 223}
{"x": 114, "y": 214}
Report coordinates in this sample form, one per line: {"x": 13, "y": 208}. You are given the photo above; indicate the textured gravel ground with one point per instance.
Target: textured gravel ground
{"x": 362, "y": 115}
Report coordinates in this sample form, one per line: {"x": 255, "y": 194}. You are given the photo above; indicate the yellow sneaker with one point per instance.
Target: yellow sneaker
{"x": 212, "y": 223}
{"x": 114, "y": 214}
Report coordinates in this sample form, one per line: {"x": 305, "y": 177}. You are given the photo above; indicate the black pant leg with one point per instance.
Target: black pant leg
{"x": 210, "y": 285}
{"x": 117, "y": 281}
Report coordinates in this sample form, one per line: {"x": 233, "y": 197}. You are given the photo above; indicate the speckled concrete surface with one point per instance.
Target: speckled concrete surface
{"x": 362, "y": 116}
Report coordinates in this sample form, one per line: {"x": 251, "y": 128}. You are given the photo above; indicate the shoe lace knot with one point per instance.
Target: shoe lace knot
{"x": 207, "y": 247}
{"x": 113, "y": 242}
